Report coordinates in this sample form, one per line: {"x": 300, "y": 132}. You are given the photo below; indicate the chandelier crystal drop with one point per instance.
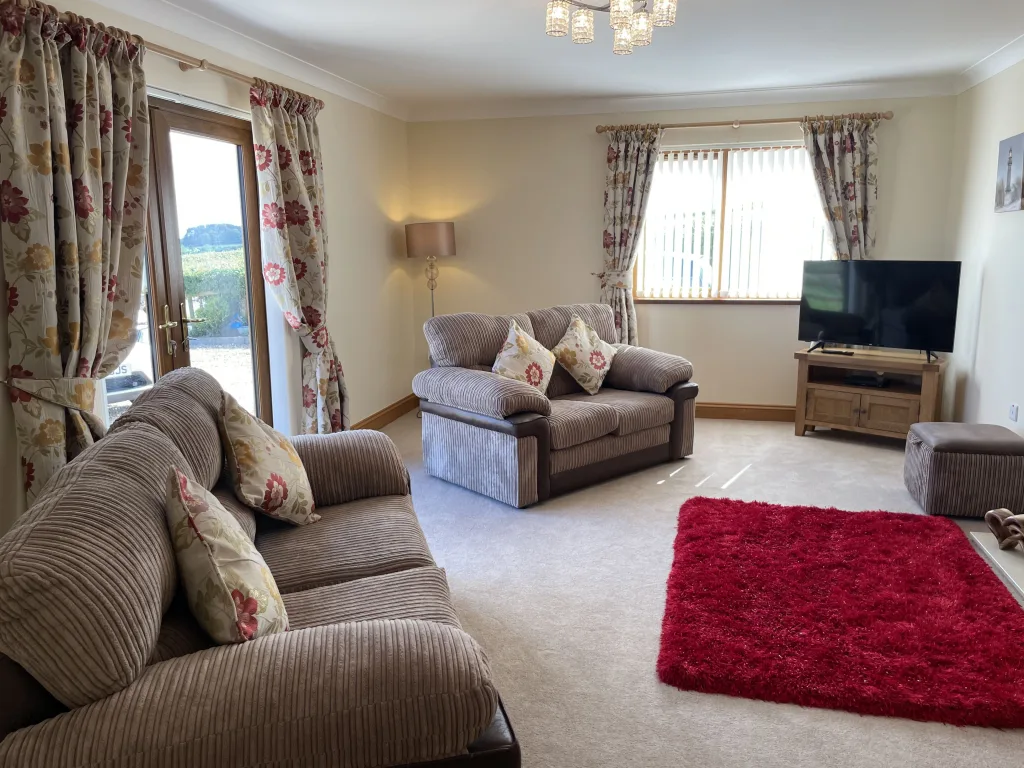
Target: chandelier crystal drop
{"x": 558, "y": 18}
{"x": 583, "y": 26}
{"x": 665, "y": 12}
{"x": 643, "y": 28}
{"x": 623, "y": 45}
{"x": 621, "y": 12}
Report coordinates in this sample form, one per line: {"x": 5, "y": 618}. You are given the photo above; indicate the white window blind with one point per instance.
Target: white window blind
{"x": 731, "y": 223}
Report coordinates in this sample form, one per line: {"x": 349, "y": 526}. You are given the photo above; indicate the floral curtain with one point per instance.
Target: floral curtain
{"x": 844, "y": 156}
{"x": 74, "y": 158}
{"x": 294, "y": 237}
{"x": 632, "y": 157}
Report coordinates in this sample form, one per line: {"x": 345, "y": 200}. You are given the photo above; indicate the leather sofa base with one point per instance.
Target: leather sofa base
{"x": 592, "y": 474}
{"x": 497, "y": 747}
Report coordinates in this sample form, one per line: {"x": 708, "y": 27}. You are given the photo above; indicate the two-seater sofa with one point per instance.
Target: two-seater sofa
{"x": 104, "y": 664}
{"x": 510, "y": 441}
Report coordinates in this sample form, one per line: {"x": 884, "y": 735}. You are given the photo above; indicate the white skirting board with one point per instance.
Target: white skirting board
{"x": 1009, "y": 563}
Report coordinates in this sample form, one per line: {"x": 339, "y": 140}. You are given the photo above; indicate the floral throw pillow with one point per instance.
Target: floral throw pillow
{"x": 230, "y": 589}
{"x": 266, "y": 472}
{"x": 585, "y": 355}
{"x": 523, "y": 358}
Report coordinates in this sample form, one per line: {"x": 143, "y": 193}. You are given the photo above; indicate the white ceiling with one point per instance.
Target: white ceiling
{"x": 434, "y": 57}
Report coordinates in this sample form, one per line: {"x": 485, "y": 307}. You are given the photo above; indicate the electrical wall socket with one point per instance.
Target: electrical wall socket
{"x": 1014, "y": 412}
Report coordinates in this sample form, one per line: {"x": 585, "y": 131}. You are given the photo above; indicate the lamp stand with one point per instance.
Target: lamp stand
{"x": 431, "y": 272}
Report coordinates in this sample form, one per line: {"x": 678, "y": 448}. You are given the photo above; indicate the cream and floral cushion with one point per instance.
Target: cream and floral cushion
{"x": 230, "y": 589}
{"x": 585, "y": 355}
{"x": 266, "y": 472}
{"x": 523, "y": 358}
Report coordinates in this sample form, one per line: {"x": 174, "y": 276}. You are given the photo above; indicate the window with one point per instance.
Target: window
{"x": 772, "y": 223}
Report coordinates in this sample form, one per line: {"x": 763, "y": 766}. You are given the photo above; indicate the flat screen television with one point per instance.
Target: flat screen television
{"x": 897, "y": 304}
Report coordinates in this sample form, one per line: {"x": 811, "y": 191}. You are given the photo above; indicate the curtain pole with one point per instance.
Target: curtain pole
{"x": 766, "y": 121}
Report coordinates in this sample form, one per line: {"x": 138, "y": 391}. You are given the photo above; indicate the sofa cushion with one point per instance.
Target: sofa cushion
{"x": 185, "y": 408}
{"x": 363, "y": 538}
{"x": 549, "y": 327}
{"x": 264, "y": 468}
{"x": 88, "y": 571}
{"x": 419, "y": 593}
{"x": 523, "y": 359}
{"x": 574, "y": 420}
{"x": 584, "y": 355}
{"x": 469, "y": 339}
{"x": 225, "y": 494}
{"x": 230, "y": 590}
{"x": 609, "y": 447}
{"x": 180, "y": 633}
{"x": 636, "y": 411}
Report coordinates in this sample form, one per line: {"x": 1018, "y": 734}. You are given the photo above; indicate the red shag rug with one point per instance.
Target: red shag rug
{"x": 870, "y": 612}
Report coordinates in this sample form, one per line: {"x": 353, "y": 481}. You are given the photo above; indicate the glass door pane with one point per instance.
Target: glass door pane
{"x": 137, "y": 372}
{"x": 216, "y": 306}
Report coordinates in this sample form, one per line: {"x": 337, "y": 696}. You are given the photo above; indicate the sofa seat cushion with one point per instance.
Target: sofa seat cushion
{"x": 636, "y": 411}
{"x": 419, "y": 593}
{"x": 575, "y": 420}
{"x": 608, "y": 447}
{"x": 352, "y": 541}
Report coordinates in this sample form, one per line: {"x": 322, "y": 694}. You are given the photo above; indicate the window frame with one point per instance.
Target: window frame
{"x": 719, "y": 234}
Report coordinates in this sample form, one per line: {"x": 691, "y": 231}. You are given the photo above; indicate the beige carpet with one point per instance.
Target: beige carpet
{"x": 567, "y": 599}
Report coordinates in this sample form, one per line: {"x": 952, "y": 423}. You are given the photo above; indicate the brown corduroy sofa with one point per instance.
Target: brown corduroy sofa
{"x": 104, "y": 664}
{"x": 507, "y": 440}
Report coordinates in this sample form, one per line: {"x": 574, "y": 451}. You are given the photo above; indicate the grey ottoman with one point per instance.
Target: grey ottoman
{"x": 964, "y": 470}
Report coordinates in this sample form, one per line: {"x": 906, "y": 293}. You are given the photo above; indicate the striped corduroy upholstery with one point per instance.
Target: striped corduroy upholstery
{"x": 574, "y": 421}
{"x": 689, "y": 422}
{"x": 347, "y": 466}
{"x": 351, "y": 541}
{"x": 607, "y": 448}
{"x": 491, "y": 463}
{"x": 469, "y": 339}
{"x": 479, "y": 392}
{"x": 647, "y": 370}
{"x": 957, "y": 484}
{"x": 550, "y": 326}
{"x": 375, "y": 693}
{"x": 184, "y": 407}
{"x": 635, "y": 411}
{"x": 246, "y": 518}
{"x": 419, "y": 593}
{"x": 88, "y": 570}
{"x": 180, "y": 633}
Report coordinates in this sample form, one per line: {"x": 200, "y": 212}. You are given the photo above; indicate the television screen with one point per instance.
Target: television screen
{"x": 897, "y": 304}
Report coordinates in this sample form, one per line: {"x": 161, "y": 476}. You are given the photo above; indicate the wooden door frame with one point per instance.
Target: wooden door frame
{"x": 167, "y": 281}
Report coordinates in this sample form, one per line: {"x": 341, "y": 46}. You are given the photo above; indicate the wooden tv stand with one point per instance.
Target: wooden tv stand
{"x": 825, "y": 396}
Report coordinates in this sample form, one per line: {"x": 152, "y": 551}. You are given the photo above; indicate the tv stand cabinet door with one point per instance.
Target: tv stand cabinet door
{"x": 889, "y": 414}
{"x": 829, "y": 407}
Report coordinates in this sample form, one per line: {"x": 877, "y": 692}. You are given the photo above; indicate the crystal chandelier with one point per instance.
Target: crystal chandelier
{"x": 633, "y": 21}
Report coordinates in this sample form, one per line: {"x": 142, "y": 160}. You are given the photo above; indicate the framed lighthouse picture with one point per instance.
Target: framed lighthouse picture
{"x": 1010, "y": 176}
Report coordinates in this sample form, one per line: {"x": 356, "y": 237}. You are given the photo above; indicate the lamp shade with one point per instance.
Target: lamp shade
{"x": 435, "y": 238}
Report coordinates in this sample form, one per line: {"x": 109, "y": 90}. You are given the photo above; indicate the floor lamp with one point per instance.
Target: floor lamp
{"x": 430, "y": 240}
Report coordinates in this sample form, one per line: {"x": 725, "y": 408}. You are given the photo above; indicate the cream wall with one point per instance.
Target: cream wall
{"x": 527, "y": 199}
{"x": 988, "y": 365}
{"x": 370, "y": 312}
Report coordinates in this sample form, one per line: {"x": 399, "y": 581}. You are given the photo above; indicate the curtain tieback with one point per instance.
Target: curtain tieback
{"x": 77, "y": 395}
{"x": 316, "y": 340}
{"x": 615, "y": 279}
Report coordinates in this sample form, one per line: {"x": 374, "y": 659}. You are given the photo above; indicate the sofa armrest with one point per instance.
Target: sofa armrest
{"x": 346, "y": 466}
{"x": 647, "y": 370}
{"x": 480, "y": 392}
{"x": 374, "y": 693}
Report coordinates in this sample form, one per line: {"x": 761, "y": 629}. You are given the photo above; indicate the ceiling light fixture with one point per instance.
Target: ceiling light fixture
{"x": 633, "y": 21}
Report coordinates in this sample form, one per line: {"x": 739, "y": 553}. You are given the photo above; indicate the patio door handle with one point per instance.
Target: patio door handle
{"x": 185, "y": 322}
{"x": 166, "y": 327}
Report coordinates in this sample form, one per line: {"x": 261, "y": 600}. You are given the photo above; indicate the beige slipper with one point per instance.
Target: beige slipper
{"x": 1006, "y": 527}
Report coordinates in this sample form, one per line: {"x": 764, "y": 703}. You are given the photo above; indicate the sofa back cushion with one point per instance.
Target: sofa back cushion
{"x": 184, "y": 406}
{"x": 550, "y": 325}
{"x": 88, "y": 571}
{"x": 469, "y": 339}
